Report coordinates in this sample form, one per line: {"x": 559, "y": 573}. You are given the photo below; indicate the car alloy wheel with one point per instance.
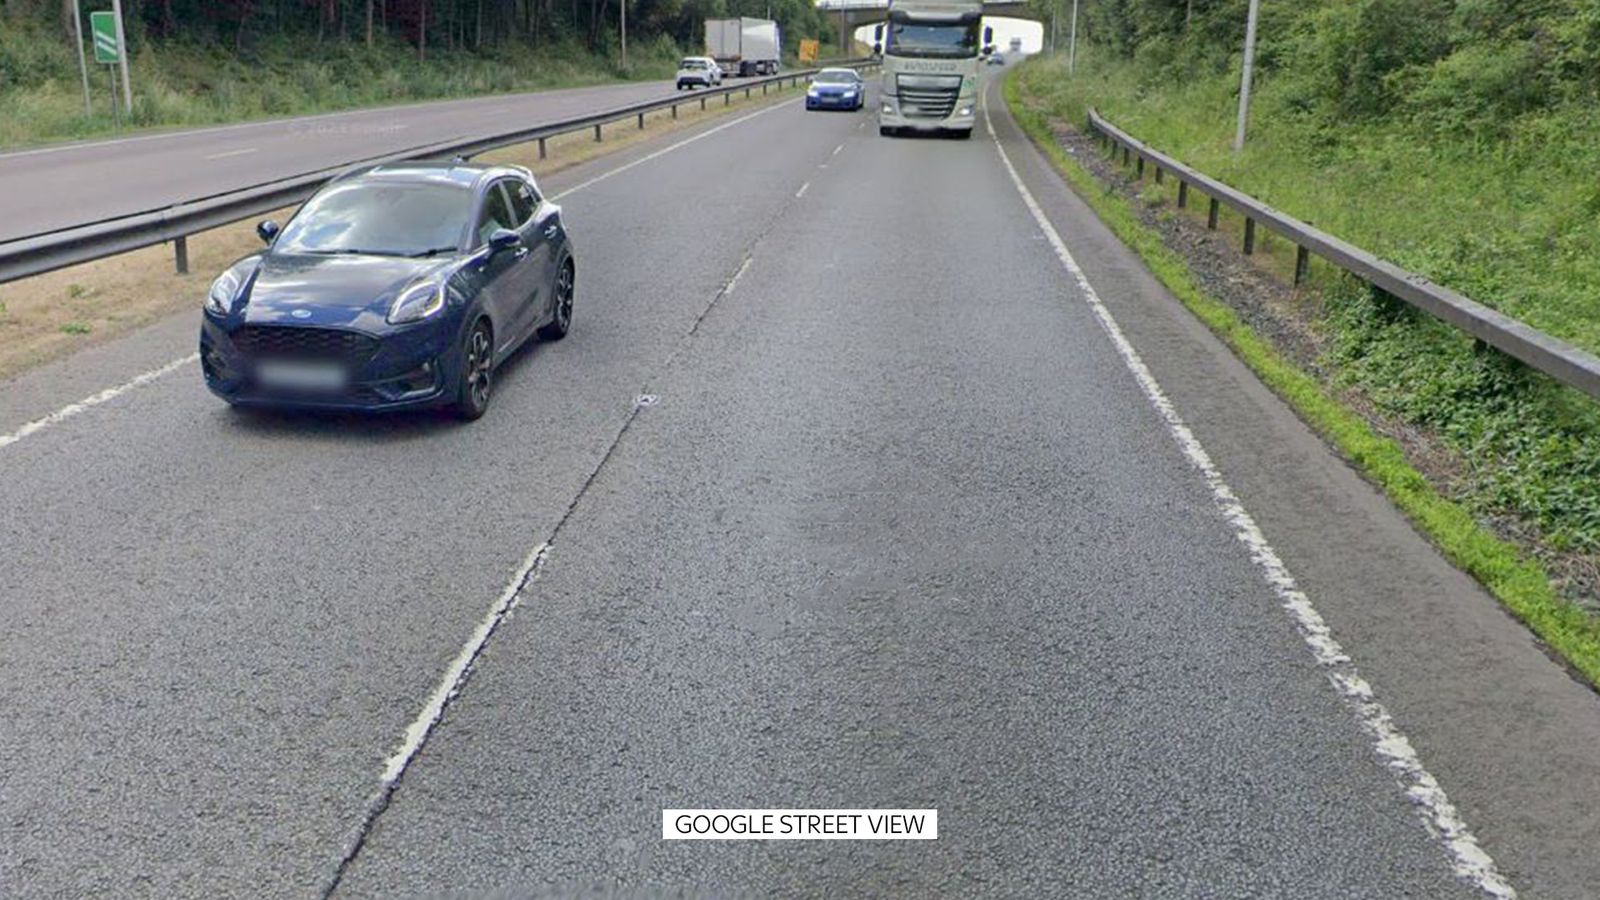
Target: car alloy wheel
{"x": 561, "y": 316}
{"x": 477, "y": 372}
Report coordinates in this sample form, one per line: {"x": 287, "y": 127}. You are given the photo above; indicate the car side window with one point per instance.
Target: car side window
{"x": 496, "y": 212}
{"x": 523, "y": 200}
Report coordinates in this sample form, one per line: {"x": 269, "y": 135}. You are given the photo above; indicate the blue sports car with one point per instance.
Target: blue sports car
{"x": 836, "y": 89}
{"x": 395, "y": 287}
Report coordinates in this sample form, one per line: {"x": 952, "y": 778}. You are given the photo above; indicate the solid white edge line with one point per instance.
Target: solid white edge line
{"x": 232, "y": 153}
{"x": 1467, "y": 857}
{"x": 802, "y": 192}
{"x": 417, "y": 732}
{"x": 110, "y": 393}
{"x": 73, "y": 409}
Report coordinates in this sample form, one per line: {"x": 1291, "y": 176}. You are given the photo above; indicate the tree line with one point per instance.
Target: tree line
{"x": 467, "y": 25}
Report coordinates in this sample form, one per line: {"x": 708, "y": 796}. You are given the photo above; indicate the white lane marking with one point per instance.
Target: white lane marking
{"x": 734, "y": 281}
{"x": 665, "y": 150}
{"x": 73, "y": 409}
{"x": 840, "y": 147}
{"x": 1467, "y": 857}
{"x": 233, "y": 153}
{"x": 802, "y": 192}
{"x": 417, "y": 732}
{"x": 111, "y": 393}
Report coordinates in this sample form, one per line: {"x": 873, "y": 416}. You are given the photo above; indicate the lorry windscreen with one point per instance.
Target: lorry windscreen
{"x": 942, "y": 41}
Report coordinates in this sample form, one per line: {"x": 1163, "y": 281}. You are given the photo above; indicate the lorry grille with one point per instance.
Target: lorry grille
{"x": 928, "y": 96}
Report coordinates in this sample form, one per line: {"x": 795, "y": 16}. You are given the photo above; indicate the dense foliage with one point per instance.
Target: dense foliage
{"x": 425, "y": 24}
{"x": 197, "y": 62}
{"x": 1458, "y": 138}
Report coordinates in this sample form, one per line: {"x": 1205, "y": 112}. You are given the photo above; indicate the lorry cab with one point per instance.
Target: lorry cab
{"x": 931, "y": 54}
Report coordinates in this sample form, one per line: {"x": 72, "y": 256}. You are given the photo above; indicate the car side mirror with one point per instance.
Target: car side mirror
{"x": 877, "y": 32}
{"x": 267, "y": 230}
{"x": 877, "y": 49}
{"x": 989, "y": 50}
{"x": 988, "y": 34}
{"x": 503, "y": 239}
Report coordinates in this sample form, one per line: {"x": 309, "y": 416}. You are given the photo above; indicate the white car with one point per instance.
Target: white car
{"x": 701, "y": 71}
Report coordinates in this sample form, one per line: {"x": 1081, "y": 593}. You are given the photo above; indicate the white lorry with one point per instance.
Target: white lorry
{"x": 744, "y": 46}
{"x": 930, "y": 54}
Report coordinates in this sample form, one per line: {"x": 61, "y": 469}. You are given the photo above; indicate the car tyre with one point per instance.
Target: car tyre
{"x": 561, "y": 317}
{"x": 477, "y": 372}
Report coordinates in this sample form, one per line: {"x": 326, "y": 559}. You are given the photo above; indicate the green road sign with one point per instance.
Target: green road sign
{"x": 104, "y": 27}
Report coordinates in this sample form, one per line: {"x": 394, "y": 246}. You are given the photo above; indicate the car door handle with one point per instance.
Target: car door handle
{"x": 521, "y": 252}
{"x": 550, "y": 232}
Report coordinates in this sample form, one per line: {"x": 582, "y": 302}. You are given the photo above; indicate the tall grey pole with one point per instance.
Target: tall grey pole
{"x": 1072, "y": 41}
{"x": 1249, "y": 67}
{"x": 83, "y": 62}
{"x": 122, "y": 50}
{"x": 624, "y": 34}
{"x": 1053, "y": 5}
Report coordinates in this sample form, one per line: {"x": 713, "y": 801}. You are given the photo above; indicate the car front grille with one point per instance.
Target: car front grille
{"x": 290, "y": 342}
{"x": 928, "y": 96}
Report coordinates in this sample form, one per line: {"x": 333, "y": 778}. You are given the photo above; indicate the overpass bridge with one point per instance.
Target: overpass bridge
{"x": 853, "y": 14}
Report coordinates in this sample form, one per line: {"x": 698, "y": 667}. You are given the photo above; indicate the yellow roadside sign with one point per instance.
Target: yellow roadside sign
{"x": 808, "y": 51}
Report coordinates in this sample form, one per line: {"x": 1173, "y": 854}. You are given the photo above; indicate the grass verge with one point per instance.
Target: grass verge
{"x": 1520, "y": 583}
{"x": 53, "y": 315}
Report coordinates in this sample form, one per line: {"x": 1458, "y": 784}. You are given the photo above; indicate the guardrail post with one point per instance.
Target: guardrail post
{"x": 1139, "y": 169}
{"x": 1302, "y": 265}
{"x": 747, "y": 92}
{"x": 1183, "y": 194}
{"x": 597, "y": 133}
{"x": 1158, "y": 174}
{"x": 542, "y": 153}
{"x": 702, "y": 103}
{"x": 674, "y": 110}
{"x": 1211, "y": 217}
{"x": 1249, "y": 235}
{"x": 180, "y": 252}
{"x": 641, "y": 121}
{"x": 1127, "y": 155}
{"x": 763, "y": 88}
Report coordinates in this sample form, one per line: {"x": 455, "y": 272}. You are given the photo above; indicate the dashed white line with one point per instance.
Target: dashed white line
{"x": 1467, "y": 857}
{"x": 734, "y": 281}
{"x": 838, "y": 148}
{"x": 665, "y": 150}
{"x": 802, "y": 192}
{"x": 417, "y": 732}
{"x": 243, "y": 152}
{"x": 111, "y": 393}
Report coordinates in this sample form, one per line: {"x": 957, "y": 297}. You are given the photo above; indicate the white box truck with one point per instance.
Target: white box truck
{"x": 744, "y": 46}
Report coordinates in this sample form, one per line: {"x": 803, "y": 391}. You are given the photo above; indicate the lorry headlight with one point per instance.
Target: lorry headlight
{"x": 964, "y": 111}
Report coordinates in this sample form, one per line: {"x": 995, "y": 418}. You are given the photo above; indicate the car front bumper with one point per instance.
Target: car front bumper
{"x": 409, "y": 369}
{"x": 832, "y": 101}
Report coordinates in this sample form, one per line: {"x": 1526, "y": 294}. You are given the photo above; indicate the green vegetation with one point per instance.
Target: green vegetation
{"x": 196, "y": 62}
{"x": 1520, "y": 583}
{"x": 76, "y": 328}
{"x": 1457, "y": 138}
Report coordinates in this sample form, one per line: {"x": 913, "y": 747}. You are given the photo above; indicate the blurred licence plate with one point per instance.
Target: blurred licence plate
{"x": 301, "y": 376}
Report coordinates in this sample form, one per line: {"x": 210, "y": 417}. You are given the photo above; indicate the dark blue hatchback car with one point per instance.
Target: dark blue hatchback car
{"x": 394, "y": 287}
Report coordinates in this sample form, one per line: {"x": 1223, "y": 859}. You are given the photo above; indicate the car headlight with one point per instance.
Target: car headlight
{"x": 849, "y": 92}
{"x": 417, "y": 302}
{"x": 219, "y": 301}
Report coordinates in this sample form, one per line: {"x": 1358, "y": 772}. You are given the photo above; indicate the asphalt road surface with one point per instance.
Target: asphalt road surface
{"x": 903, "y": 519}
{"x": 51, "y": 188}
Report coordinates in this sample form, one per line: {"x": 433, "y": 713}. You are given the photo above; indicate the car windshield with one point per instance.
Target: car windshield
{"x": 692, "y": 64}
{"x": 835, "y": 78}
{"x": 933, "y": 40}
{"x": 390, "y": 218}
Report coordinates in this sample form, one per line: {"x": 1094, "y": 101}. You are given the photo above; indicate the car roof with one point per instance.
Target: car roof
{"x": 835, "y": 70}
{"x": 454, "y": 171}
